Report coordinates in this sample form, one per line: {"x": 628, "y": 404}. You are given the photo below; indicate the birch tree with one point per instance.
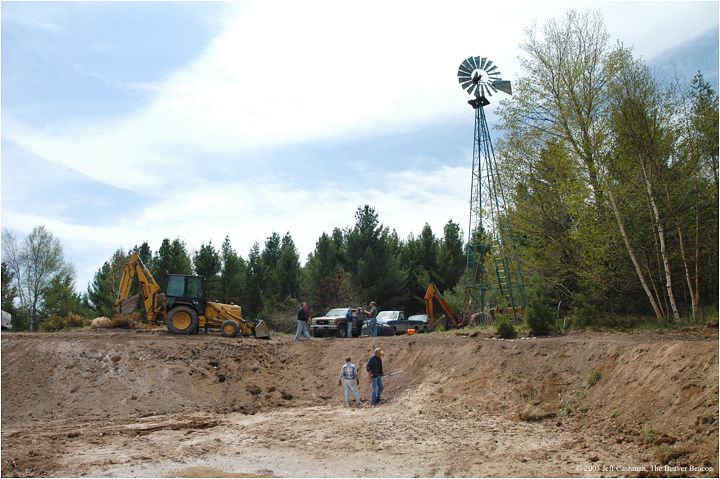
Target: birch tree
{"x": 34, "y": 263}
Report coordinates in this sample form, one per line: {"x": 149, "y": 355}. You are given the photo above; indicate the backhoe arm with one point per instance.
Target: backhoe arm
{"x": 433, "y": 293}
{"x": 150, "y": 290}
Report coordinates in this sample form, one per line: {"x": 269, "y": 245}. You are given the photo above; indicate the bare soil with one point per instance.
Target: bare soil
{"x": 115, "y": 403}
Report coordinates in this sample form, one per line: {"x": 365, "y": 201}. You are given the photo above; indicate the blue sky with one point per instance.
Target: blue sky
{"x": 131, "y": 121}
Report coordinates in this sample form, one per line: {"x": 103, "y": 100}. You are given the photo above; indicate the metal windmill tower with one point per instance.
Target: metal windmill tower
{"x": 493, "y": 277}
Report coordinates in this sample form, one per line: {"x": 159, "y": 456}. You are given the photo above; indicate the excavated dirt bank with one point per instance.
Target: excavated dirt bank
{"x": 124, "y": 403}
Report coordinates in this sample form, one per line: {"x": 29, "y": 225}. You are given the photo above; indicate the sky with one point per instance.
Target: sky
{"x": 124, "y": 122}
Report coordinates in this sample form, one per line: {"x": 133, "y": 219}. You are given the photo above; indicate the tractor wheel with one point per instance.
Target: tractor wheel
{"x": 229, "y": 328}
{"x": 341, "y": 330}
{"x": 182, "y": 320}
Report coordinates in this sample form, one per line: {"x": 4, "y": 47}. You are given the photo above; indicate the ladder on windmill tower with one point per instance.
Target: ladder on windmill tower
{"x": 489, "y": 231}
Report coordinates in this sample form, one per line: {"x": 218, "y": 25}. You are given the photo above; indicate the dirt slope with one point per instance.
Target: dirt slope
{"x": 123, "y": 403}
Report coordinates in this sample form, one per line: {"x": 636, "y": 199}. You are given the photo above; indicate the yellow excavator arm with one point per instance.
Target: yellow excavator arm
{"x": 153, "y": 300}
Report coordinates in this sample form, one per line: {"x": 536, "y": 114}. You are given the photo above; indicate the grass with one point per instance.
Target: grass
{"x": 535, "y": 414}
{"x": 628, "y": 322}
{"x": 649, "y": 436}
{"x": 664, "y": 454}
{"x": 592, "y": 378}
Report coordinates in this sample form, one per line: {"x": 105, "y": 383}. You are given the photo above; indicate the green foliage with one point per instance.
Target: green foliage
{"x": 170, "y": 258}
{"x": 373, "y": 263}
{"x": 232, "y": 275}
{"x": 207, "y": 263}
{"x": 504, "y": 327}
{"x": 103, "y": 290}
{"x": 592, "y": 378}
{"x": 9, "y": 292}
{"x": 60, "y": 298}
{"x": 326, "y": 282}
{"x": 539, "y": 317}
{"x": 587, "y": 120}
{"x": 253, "y": 281}
{"x": 451, "y": 260}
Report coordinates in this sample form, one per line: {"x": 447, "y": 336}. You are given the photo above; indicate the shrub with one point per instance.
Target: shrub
{"x": 504, "y": 327}
{"x": 56, "y": 323}
{"x": 593, "y": 377}
{"x": 539, "y": 317}
{"x": 533, "y": 414}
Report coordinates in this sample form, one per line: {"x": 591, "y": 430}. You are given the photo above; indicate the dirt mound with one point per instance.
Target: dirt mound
{"x": 651, "y": 397}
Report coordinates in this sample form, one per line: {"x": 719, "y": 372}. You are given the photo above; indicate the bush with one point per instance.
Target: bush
{"x": 504, "y": 327}
{"x": 56, "y": 323}
{"x": 534, "y": 414}
{"x": 593, "y": 377}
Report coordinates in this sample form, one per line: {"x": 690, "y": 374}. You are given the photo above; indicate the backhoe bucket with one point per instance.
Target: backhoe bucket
{"x": 129, "y": 304}
{"x": 261, "y": 330}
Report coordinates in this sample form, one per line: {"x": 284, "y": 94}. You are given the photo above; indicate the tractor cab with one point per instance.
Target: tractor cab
{"x": 186, "y": 289}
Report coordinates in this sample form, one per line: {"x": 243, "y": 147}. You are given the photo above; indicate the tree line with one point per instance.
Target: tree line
{"x": 350, "y": 266}
{"x": 611, "y": 179}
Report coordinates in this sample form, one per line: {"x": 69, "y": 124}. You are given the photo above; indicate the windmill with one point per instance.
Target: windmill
{"x": 490, "y": 241}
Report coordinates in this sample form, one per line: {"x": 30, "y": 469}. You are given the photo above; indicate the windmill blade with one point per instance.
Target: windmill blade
{"x": 473, "y": 63}
{"x": 488, "y": 65}
{"x": 487, "y": 87}
{"x": 470, "y": 89}
{"x": 465, "y": 85}
{"x": 465, "y": 69}
{"x": 503, "y": 86}
{"x": 490, "y": 85}
{"x": 463, "y": 79}
{"x": 490, "y": 70}
{"x": 483, "y": 61}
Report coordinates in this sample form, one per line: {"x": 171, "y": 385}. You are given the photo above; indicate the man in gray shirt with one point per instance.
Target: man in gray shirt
{"x": 372, "y": 325}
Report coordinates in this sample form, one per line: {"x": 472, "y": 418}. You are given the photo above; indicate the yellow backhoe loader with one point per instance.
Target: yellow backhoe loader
{"x": 183, "y": 307}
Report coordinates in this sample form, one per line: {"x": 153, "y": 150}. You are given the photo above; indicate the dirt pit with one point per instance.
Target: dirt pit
{"x": 150, "y": 404}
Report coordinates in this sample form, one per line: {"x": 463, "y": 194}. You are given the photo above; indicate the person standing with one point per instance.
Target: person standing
{"x": 372, "y": 324}
{"x": 349, "y": 322}
{"x": 375, "y": 369}
{"x": 359, "y": 318}
{"x": 351, "y": 379}
{"x": 303, "y": 316}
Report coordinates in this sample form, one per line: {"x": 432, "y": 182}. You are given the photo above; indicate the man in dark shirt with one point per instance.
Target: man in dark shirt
{"x": 303, "y": 316}
{"x": 374, "y": 368}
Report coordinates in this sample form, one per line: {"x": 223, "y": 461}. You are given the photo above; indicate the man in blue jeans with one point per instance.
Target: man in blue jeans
{"x": 303, "y": 316}
{"x": 372, "y": 324}
{"x": 374, "y": 368}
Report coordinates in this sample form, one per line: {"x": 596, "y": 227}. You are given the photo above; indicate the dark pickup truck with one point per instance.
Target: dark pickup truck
{"x": 401, "y": 323}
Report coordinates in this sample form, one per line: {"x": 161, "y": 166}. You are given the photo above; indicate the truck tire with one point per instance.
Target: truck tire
{"x": 341, "y": 330}
{"x": 229, "y": 328}
{"x": 182, "y": 320}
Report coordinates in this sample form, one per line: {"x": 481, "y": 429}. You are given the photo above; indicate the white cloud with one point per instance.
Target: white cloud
{"x": 286, "y": 71}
